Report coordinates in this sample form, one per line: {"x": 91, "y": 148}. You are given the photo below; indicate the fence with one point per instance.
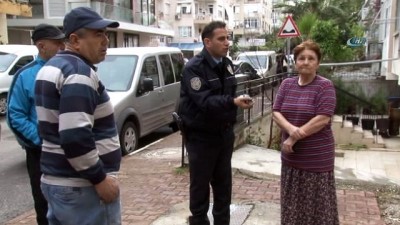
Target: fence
{"x": 262, "y": 91}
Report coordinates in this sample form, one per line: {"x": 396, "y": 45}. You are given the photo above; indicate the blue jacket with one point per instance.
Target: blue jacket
{"x": 21, "y": 113}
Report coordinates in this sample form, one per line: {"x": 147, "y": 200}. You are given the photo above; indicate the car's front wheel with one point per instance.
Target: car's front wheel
{"x": 3, "y": 104}
{"x": 129, "y": 138}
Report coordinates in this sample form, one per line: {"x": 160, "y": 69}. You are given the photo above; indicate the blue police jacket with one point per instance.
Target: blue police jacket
{"x": 207, "y": 93}
{"x": 21, "y": 114}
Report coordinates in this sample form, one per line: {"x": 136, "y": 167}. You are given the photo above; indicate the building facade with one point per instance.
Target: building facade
{"x": 382, "y": 18}
{"x": 141, "y": 21}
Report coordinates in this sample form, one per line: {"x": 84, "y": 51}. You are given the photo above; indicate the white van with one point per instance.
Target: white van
{"x": 144, "y": 88}
{"x": 12, "y": 58}
{"x": 263, "y": 61}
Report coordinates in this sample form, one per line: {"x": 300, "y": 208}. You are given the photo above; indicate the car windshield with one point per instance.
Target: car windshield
{"x": 116, "y": 71}
{"x": 257, "y": 61}
{"x": 5, "y": 60}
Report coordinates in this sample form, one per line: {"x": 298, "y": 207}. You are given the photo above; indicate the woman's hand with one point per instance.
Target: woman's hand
{"x": 297, "y": 133}
{"x": 287, "y": 145}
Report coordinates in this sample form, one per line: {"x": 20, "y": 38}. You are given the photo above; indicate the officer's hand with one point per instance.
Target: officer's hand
{"x": 244, "y": 101}
{"x": 108, "y": 189}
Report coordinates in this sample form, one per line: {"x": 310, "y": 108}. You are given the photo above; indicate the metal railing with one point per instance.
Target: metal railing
{"x": 262, "y": 91}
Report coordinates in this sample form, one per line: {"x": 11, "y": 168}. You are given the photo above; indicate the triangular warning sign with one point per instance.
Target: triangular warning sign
{"x": 289, "y": 29}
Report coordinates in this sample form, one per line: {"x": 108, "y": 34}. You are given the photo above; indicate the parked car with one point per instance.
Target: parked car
{"x": 12, "y": 58}
{"x": 263, "y": 61}
{"x": 244, "y": 72}
{"x": 243, "y": 67}
{"x": 144, "y": 85}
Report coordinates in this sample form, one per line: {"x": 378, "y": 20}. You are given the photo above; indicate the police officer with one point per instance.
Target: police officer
{"x": 208, "y": 110}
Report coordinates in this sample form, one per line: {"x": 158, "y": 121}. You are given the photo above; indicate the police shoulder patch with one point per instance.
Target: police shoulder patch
{"x": 195, "y": 83}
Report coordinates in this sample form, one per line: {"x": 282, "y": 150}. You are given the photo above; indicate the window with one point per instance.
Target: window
{"x": 131, "y": 40}
{"x": 166, "y": 67}
{"x": 251, "y": 23}
{"x": 150, "y": 70}
{"x": 186, "y": 9}
{"x": 112, "y": 36}
{"x": 185, "y": 31}
{"x": 177, "y": 62}
{"x": 21, "y": 62}
{"x": 210, "y": 9}
{"x": 115, "y": 73}
{"x": 236, "y": 9}
{"x": 5, "y": 60}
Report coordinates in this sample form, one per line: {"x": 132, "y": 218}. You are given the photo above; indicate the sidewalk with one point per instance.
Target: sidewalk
{"x": 154, "y": 191}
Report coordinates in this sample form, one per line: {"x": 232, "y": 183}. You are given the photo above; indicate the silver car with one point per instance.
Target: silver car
{"x": 144, "y": 85}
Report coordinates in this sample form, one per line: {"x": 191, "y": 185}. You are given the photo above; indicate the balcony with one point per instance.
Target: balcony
{"x": 105, "y": 10}
{"x": 201, "y": 18}
{"x": 253, "y": 32}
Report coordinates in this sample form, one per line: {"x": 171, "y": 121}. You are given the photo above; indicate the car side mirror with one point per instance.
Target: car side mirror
{"x": 148, "y": 84}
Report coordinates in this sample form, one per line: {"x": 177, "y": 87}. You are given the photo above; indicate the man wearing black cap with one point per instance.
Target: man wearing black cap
{"x": 21, "y": 113}
{"x": 81, "y": 151}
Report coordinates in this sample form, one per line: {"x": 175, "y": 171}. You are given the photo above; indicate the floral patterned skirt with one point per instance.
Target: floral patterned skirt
{"x": 308, "y": 198}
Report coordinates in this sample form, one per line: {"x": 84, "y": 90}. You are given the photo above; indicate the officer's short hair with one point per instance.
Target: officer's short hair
{"x": 209, "y": 29}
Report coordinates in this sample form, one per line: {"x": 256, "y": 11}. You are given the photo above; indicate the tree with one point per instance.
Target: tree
{"x": 306, "y": 23}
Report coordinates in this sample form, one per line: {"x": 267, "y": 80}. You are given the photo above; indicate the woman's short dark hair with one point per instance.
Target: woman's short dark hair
{"x": 208, "y": 30}
{"x": 309, "y": 45}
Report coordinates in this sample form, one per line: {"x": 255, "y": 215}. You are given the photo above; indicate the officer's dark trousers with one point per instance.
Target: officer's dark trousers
{"x": 33, "y": 166}
{"x": 210, "y": 163}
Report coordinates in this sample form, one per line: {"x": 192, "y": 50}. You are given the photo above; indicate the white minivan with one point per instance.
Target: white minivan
{"x": 12, "y": 58}
{"x": 144, "y": 87}
{"x": 263, "y": 61}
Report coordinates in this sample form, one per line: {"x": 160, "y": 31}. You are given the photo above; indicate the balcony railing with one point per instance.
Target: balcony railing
{"x": 105, "y": 10}
{"x": 124, "y": 14}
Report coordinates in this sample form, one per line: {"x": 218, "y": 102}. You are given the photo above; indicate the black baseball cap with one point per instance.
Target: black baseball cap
{"x": 47, "y": 31}
{"x": 84, "y": 17}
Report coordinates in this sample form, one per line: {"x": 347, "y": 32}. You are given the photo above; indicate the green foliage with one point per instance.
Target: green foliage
{"x": 234, "y": 49}
{"x": 329, "y": 23}
{"x": 325, "y": 33}
{"x": 181, "y": 170}
{"x": 254, "y": 137}
{"x": 379, "y": 100}
{"x": 351, "y": 146}
{"x": 345, "y": 104}
{"x": 306, "y": 23}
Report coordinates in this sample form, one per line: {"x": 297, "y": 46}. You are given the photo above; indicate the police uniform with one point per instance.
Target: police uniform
{"x": 208, "y": 112}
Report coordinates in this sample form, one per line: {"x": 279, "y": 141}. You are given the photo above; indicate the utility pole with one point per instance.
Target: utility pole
{"x": 11, "y": 7}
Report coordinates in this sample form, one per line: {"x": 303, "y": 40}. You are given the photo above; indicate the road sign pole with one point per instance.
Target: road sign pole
{"x": 290, "y": 66}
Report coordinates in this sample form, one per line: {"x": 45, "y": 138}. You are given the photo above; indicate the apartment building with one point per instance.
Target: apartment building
{"x": 253, "y": 19}
{"x": 246, "y": 19}
{"x": 141, "y": 21}
{"x": 383, "y": 36}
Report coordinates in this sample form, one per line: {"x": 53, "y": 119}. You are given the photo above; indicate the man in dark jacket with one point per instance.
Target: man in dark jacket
{"x": 208, "y": 109}
{"x": 21, "y": 113}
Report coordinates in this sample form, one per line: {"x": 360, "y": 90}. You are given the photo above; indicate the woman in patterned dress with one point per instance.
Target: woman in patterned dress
{"x": 303, "y": 109}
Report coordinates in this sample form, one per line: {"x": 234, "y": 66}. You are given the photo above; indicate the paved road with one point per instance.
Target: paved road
{"x": 15, "y": 194}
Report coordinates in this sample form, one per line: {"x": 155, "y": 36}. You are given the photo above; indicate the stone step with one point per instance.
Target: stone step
{"x": 347, "y": 133}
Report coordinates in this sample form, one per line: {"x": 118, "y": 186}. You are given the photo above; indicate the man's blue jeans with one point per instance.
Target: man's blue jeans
{"x": 79, "y": 205}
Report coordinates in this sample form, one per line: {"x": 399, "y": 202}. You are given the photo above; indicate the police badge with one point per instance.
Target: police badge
{"x": 229, "y": 68}
{"x": 195, "y": 83}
